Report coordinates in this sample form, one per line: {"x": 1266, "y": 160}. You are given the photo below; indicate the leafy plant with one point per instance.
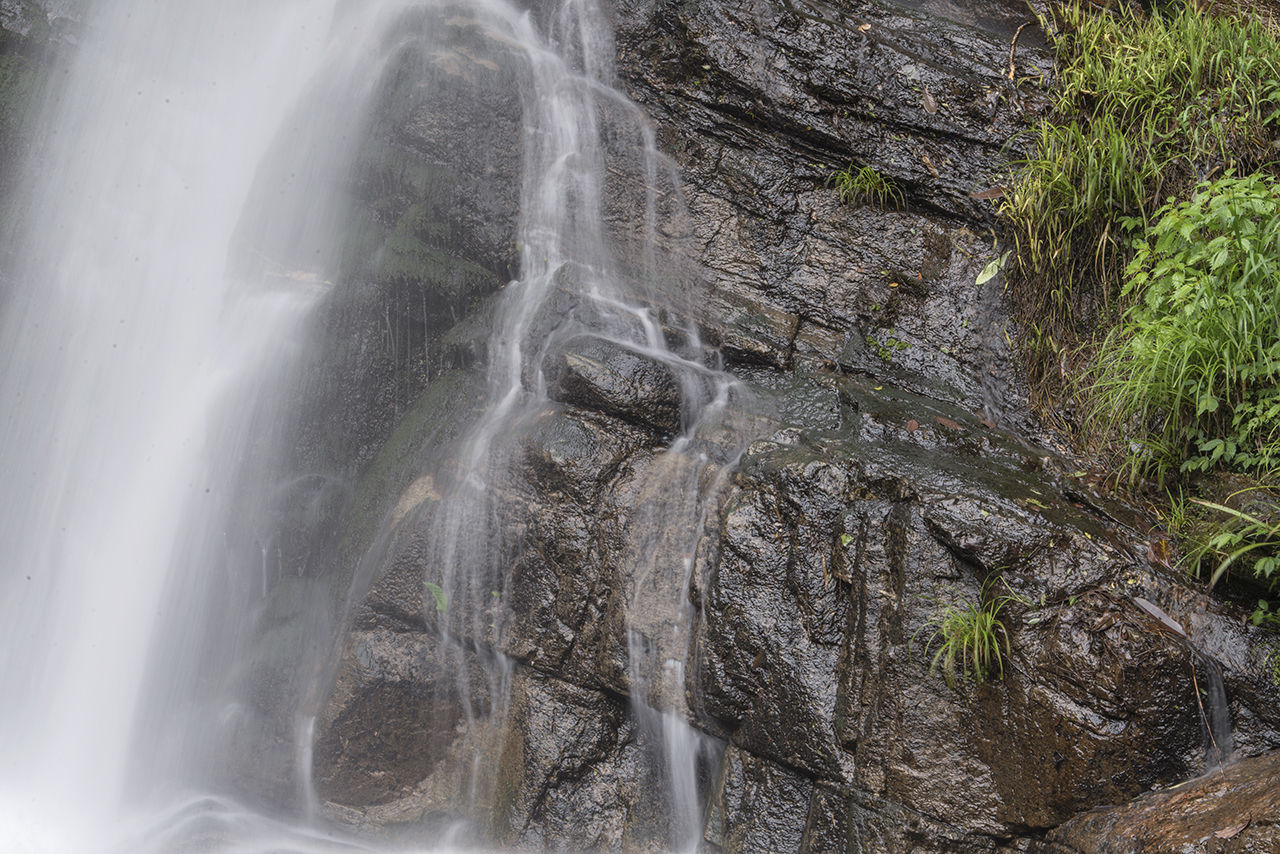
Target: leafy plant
{"x": 1245, "y": 538}
{"x": 993, "y": 268}
{"x": 972, "y": 637}
{"x": 1266, "y": 615}
{"x": 885, "y": 349}
{"x": 1193, "y": 369}
{"x": 866, "y": 186}
{"x": 1147, "y": 104}
{"x": 442, "y": 598}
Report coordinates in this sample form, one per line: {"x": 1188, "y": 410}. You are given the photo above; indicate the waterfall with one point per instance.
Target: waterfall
{"x": 583, "y": 286}
{"x": 166, "y": 274}
{"x": 140, "y": 385}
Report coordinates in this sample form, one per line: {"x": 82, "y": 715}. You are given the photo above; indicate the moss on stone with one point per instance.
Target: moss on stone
{"x": 412, "y": 253}
{"x": 432, "y": 420}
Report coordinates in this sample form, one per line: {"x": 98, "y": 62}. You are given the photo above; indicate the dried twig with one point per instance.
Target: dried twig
{"x": 1013, "y": 45}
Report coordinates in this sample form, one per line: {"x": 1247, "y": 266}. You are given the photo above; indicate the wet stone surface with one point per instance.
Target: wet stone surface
{"x": 597, "y": 374}
{"x": 894, "y": 472}
{"x": 1236, "y": 809}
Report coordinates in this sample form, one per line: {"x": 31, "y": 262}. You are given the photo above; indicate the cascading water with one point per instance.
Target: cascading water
{"x": 583, "y": 286}
{"x": 146, "y": 374}
{"x": 138, "y": 377}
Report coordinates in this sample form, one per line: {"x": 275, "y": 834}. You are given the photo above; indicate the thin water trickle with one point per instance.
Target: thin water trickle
{"x": 1219, "y": 738}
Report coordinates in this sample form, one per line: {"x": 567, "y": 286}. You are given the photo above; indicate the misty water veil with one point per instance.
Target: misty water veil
{"x": 187, "y": 215}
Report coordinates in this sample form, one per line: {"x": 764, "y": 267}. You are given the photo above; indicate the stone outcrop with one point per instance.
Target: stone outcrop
{"x": 892, "y": 471}
{"x": 1234, "y": 810}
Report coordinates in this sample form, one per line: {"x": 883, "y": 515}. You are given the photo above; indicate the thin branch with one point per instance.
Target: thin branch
{"x": 1013, "y": 45}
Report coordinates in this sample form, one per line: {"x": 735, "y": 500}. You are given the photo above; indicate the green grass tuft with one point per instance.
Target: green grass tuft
{"x": 971, "y": 638}
{"x": 866, "y": 186}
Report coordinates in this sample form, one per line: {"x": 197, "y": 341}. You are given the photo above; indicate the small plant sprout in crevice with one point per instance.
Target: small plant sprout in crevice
{"x": 971, "y": 638}
{"x": 866, "y": 186}
{"x": 886, "y": 348}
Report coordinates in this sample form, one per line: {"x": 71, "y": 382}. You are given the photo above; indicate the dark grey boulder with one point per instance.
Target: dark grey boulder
{"x": 604, "y": 376}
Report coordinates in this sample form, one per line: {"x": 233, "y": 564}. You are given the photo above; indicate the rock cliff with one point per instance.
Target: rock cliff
{"x": 896, "y": 471}
{"x": 878, "y": 465}
{"x": 893, "y": 470}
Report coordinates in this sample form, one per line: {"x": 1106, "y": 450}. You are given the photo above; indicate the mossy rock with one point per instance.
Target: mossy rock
{"x": 414, "y": 253}
{"x": 433, "y": 420}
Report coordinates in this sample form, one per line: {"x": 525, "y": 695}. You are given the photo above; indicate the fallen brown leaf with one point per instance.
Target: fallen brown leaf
{"x": 1158, "y": 552}
{"x": 864, "y": 28}
{"x": 988, "y": 194}
{"x": 946, "y": 422}
{"x": 930, "y": 102}
{"x": 913, "y": 425}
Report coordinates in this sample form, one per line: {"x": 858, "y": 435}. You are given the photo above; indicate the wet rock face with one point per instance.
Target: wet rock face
{"x": 392, "y": 734}
{"x": 556, "y": 759}
{"x": 836, "y": 560}
{"x": 761, "y": 104}
{"x": 893, "y": 474}
{"x": 597, "y": 374}
{"x": 35, "y": 47}
{"x": 431, "y": 235}
{"x": 1234, "y": 810}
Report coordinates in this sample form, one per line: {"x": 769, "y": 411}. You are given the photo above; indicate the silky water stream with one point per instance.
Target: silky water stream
{"x": 148, "y": 375}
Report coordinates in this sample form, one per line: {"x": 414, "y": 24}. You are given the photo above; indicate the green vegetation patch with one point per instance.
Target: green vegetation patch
{"x": 1235, "y": 539}
{"x": 1146, "y": 225}
{"x": 1148, "y": 104}
{"x": 1193, "y": 367}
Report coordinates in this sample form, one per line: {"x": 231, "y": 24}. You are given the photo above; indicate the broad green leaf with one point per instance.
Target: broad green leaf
{"x": 992, "y": 269}
{"x": 437, "y": 593}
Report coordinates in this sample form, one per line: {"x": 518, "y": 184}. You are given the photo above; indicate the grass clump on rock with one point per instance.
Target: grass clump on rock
{"x": 866, "y": 186}
{"x": 971, "y": 639}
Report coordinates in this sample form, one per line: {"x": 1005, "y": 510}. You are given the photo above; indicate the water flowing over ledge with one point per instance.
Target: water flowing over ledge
{"x": 580, "y": 475}
{"x": 179, "y": 258}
